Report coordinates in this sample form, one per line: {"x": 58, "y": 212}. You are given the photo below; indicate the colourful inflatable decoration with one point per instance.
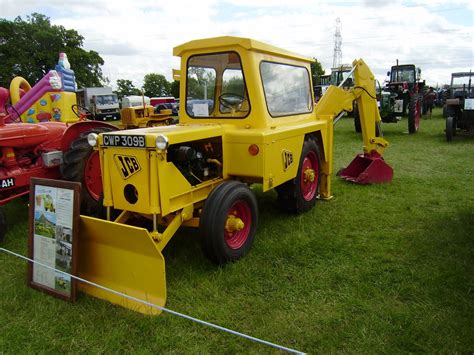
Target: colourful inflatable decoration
{"x": 49, "y": 98}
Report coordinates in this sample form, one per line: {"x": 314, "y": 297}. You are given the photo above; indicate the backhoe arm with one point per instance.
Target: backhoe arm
{"x": 368, "y": 167}
{"x": 337, "y": 99}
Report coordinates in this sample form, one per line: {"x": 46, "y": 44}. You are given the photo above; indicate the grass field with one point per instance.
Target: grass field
{"x": 378, "y": 269}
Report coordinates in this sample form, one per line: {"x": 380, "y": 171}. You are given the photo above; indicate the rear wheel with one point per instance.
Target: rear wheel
{"x": 3, "y": 225}
{"x": 414, "y": 114}
{"x": 228, "y": 222}
{"x": 450, "y": 128}
{"x": 299, "y": 194}
{"x": 82, "y": 164}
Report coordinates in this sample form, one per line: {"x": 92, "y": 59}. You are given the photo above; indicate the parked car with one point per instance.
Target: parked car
{"x": 167, "y": 106}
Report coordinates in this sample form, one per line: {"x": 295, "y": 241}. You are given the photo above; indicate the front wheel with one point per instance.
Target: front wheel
{"x": 299, "y": 194}
{"x": 414, "y": 114}
{"x": 450, "y": 128}
{"x": 228, "y": 222}
{"x": 82, "y": 164}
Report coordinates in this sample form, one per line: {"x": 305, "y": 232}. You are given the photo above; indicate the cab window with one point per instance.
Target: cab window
{"x": 287, "y": 89}
{"x": 216, "y": 87}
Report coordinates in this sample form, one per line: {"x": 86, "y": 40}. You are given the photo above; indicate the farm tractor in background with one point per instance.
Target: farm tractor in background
{"x": 340, "y": 74}
{"x": 249, "y": 119}
{"x": 459, "y": 107}
{"x": 401, "y": 96}
{"x": 43, "y": 133}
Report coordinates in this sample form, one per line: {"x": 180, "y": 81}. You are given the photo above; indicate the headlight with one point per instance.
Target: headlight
{"x": 92, "y": 139}
{"x": 161, "y": 142}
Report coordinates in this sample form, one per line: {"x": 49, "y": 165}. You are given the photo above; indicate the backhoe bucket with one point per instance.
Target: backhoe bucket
{"x": 367, "y": 169}
{"x": 123, "y": 258}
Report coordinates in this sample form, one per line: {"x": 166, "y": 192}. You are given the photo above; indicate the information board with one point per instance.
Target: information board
{"x": 53, "y": 231}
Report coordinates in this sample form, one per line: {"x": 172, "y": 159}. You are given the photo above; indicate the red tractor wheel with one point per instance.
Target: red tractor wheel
{"x": 414, "y": 114}
{"x": 228, "y": 222}
{"x": 81, "y": 163}
{"x": 299, "y": 194}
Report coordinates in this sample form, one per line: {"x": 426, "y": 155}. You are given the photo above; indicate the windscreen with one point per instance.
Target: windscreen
{"x": 216, "y": 86}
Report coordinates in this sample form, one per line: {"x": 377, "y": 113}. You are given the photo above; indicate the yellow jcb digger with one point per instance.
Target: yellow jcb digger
{"x": 247, "y": 117}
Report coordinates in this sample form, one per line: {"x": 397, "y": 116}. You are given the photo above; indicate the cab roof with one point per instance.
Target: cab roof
{"x": 231, "y": 41}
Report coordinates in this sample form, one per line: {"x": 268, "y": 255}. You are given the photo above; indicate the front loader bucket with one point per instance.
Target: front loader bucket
{"x": 123, "y": 258}
{"x": 367, "y": 169}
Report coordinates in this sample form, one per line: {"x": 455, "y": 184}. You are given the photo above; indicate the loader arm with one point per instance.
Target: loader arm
{"x": 337, "y": 99}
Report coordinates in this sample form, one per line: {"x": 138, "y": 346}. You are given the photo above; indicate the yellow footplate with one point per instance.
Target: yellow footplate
{"x": 123, "y": 258}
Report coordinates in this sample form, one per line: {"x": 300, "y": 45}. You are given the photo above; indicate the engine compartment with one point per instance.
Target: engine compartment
{"x": 199, "y": 160}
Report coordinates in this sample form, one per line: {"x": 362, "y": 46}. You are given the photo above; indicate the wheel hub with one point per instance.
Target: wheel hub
{"x": 234, "y": 224}
{"x": 309, "y": 175}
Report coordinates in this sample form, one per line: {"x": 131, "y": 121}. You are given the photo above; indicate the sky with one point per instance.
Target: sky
{"x": 136, "y": 37}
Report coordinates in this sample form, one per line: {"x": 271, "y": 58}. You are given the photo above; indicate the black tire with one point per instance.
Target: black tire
{"x": 299, "y": 195}
{"x": 414, "y": 114}
{"x": 3, "y": 225}
{"x": 227, "y": 200}
{"x": 450, "y": 128}
{"x": 74, "y": 165}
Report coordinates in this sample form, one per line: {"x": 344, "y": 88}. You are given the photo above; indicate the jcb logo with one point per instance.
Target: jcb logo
{"x": 287, "y": 159}
{"x": 127, "y": 165}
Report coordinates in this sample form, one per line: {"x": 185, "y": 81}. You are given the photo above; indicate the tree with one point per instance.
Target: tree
{"x": 174, "y": 89}
{"x": 31, "y": 48}
{"x": 156, "y": 85}
{"x": 316, "y": 71}
{"x": 125, "y": 88}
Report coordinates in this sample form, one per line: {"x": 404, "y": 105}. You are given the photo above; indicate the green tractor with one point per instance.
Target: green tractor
{"x": 400, "y": 97}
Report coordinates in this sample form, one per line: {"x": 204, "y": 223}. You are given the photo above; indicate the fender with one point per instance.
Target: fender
{"x": 76, "y": 129}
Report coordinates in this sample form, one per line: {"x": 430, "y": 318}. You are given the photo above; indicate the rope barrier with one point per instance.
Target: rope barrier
{"x": 257, "y": 340}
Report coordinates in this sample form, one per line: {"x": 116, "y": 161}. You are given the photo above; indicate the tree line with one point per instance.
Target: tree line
{"x": 30, "y": 47}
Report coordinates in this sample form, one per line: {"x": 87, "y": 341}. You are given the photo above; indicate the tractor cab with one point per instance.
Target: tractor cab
{"x": 403, "y": 73}
{"x": 462, "y": 86}
{"x": 459, "y": 108}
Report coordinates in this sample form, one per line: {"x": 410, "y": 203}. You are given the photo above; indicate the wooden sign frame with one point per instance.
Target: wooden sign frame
{"x": 53, "y": 236}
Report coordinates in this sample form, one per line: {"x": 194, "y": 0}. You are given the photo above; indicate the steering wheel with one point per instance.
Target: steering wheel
{"x": 230, "y": 100}
{"x": 82, "y": 112}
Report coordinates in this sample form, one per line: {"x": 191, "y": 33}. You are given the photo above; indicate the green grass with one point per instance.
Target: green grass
{"x": 378, "y": 269}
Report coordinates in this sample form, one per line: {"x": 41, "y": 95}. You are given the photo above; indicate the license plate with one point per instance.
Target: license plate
{"x": 132, "y": 141}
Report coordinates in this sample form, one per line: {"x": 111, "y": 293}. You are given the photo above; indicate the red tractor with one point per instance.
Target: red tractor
{"x": 43, "y": 133}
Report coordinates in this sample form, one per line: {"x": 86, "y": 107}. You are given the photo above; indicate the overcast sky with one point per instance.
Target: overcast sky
{"x": 136, "y": 37}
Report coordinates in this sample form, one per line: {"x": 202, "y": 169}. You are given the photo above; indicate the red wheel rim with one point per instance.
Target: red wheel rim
{"x": 417, "y": 114}
{"x": 238, "y": 224}
{"x": 309, "y": 176}
{"x": 93, "y": 176}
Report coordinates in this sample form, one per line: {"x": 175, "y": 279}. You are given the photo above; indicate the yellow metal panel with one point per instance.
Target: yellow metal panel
{"x": 123, "y": 172}
{"x": 245, "y": 43}
{"x": 122, "y": 258}
{"x": 239, "y": 162}
{"x": 174, "y": 133}
{"x": 281, "y": 161}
